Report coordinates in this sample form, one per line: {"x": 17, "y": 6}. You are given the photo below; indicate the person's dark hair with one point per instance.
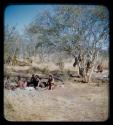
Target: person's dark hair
{"x": 7, "y": 77}
{"x": 51, "y": 76}
{"x": 33, "y": 75}
{"x": 36, "y": 76}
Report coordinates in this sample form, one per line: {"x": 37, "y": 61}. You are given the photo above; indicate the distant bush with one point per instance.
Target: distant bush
{"x": 45, "y": 70}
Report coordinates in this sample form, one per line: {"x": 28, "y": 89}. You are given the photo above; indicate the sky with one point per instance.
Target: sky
{"x": 22, "y": 15}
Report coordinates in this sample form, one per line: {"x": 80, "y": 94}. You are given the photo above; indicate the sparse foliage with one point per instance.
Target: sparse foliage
{"x": 70, "y": 30}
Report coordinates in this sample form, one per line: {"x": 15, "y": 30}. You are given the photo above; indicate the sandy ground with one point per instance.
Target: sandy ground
{"x": 71, "y": 102}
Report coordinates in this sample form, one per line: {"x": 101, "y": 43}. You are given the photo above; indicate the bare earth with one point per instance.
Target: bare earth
{"x": 68, "y": 102}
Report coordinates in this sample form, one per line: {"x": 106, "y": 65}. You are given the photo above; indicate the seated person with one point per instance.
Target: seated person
{"x": 24, "y": 85}
{"x": 50, "y": 82}
{"x": 32, "y": 80}
{"x": 7, "y": 82}
{"x": 36, "y": 81}
{"x": 21, "y": 83}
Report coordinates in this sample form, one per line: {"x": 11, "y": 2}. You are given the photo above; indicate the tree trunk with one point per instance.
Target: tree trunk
{"x": 90, "y": 75}
{"x": 93, "y": 65}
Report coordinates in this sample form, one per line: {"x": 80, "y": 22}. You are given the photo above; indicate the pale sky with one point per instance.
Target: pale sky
{"x": 21, "y": 15}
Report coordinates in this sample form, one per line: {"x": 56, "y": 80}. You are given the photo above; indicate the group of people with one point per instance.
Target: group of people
{"x": 34, "y": 81}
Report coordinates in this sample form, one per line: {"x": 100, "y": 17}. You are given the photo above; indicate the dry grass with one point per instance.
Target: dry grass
{"x": 69, "y": 102}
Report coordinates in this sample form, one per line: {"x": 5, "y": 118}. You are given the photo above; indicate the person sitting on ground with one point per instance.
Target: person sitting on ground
{"x": 7, "y": 82}
{"x": 50, "y": 82}
{"x": 24, "y": 85}
{"x": 18, "y": 81}
{"x": 21, "y": 83}
{"x": 36, "y": 81}
{"x": 32, "y": 80}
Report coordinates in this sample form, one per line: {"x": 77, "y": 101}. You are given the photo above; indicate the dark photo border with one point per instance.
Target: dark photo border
{"x": 3, "y": 5}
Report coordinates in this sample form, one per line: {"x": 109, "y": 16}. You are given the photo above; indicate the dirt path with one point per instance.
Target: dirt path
{"x": 71, "y": 102}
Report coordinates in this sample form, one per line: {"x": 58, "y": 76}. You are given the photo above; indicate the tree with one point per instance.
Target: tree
{"x": 86, "y": 31}
{"x": 12, "y": 44}
{"x": 77, "y": 30}
{"x": 9, "y": 42}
